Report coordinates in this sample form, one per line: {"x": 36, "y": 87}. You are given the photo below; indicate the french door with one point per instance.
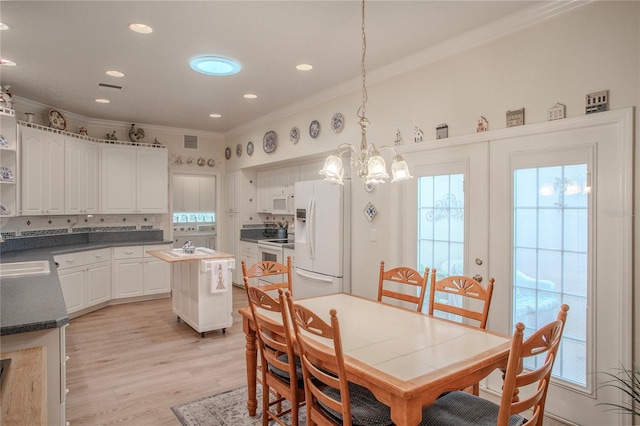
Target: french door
{"x": 542, "y": 210}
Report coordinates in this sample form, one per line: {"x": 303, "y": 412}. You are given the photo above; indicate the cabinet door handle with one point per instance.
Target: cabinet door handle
{"x": 98, "y": 256}
{"x": 70, "y": 260}
{"x": 128, "y": 252}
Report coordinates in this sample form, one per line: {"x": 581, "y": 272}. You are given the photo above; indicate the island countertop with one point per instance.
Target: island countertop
{"x": 200, "y": 253}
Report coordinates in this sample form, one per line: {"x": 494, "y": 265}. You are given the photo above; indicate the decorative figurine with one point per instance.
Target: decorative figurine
{"x": 156, "y": 141}
{"x": 595, "y": 102}
{"x": 442, "y": 131}
{"x": 82, "y": 131}
{"x": 515, "y": 118}
{"x": 556, "y": 112}
{"x": 417, "y": 135}
{"x": 111, "y": 136}
{"x": 399, "y": 140}
{"x": 6, "y": 98}
{"x": 188, "y": 247}
{"x": 483, "y": 125}
{"x": 135, "y": 135}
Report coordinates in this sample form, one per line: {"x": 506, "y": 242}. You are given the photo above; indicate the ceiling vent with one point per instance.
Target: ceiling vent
{"x": 190, "y": 142}
{"x": 109, "y": 87}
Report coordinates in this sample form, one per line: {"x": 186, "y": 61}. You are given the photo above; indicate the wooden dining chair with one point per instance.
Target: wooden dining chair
{"x": 407, "y": 277}
{"x": 330, "y": 398}
{"x": 465, "y": 287}
{"x": 268, "y": 269}
{"x": 282, "y": 376}
{"x": 460, "y": 408}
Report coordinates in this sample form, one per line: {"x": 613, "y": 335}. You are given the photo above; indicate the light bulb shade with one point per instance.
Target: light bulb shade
{"x": 376, "y": 168}
{"x": 400, "y": 169}
{"x": 333, "y": 170}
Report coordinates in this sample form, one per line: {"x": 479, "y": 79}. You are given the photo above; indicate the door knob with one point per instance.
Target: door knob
{"x": 478, "y": 277}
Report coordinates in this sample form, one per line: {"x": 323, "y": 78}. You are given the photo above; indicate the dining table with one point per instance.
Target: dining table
{"x": 405, "y": 358}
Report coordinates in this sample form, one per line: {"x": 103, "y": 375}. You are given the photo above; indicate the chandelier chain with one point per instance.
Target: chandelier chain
{"x": 363, "y": 108}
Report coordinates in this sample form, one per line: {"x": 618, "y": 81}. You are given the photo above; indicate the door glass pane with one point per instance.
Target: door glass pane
{"x": 550, "y": 255}
{"x": 441, "y": 225}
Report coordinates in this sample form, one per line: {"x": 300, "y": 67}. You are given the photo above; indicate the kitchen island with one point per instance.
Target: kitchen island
{"x": 202, "y": 280}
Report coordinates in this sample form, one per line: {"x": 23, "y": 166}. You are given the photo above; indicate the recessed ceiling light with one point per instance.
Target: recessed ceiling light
{"x": 214, "y": 65}
{"x": 139, "y": 28}
{"x": 7, "y": 62}
{"x": 304, "y": 67}
{"x": 250, "y": 96}
{"x": 4, "y": 27}
{"x": 102, "y": 100}
{"x": 114, "y": 73}
{"x": 214, "y": 115}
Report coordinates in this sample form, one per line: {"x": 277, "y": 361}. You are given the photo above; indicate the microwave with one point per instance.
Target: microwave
{"x": 283, "y": 204}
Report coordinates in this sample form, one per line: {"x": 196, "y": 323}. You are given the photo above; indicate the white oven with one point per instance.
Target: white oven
{"x": 269, "y": 251}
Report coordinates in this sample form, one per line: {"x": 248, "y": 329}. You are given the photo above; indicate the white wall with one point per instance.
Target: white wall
{"x": 594, "y": 47}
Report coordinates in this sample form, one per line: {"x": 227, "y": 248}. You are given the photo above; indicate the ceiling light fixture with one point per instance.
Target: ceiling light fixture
{"x": 215, "y": 65}
{"x": 368, "y": 161}
{"x": 214, "y": 115}
{"x": 250, "y": 96}
{"x": 114, "y": 73}
{"x": 4, "y": 27}
{"x": 7, "y": 62}
{"x": 102, "y": 100}
{"x": 139, "y": 28}
{"x": 304, "y": 67}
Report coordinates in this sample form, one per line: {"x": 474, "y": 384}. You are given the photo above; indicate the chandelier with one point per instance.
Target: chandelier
{"x": 367, "y": 161}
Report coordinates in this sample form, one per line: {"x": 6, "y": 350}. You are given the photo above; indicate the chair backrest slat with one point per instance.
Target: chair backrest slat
{"x": 466, "y": 287}
{"x": 407, "y": 277}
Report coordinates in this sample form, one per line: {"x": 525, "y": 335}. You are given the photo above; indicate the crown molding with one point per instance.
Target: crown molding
{"x": 24, "y": 104}
{"x": 536, "y": 14}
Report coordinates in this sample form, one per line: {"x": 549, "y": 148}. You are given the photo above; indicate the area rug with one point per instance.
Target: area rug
{"x": 224, "y": 409}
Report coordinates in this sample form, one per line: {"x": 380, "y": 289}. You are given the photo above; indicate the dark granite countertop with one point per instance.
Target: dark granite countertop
{"x": 36, "y": 302}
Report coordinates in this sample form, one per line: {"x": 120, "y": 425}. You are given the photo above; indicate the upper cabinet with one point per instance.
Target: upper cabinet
{"x": 8, "y": 162}
{"x": 82, "y": 177}
{"x": 134, "y": 179}
{"x": 241, "y": 194}
{"x": 194, "y": 193}
{"x": 42, "y": 176}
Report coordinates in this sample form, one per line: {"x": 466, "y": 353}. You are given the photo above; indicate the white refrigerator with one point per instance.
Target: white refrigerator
{"x": 322, "y": 238}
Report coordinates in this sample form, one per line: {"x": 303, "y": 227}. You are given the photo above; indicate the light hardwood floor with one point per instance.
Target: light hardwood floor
{"x": 129, "y": 364}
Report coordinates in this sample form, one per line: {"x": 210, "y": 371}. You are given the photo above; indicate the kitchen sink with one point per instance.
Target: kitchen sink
{"x": 19, "y": 269}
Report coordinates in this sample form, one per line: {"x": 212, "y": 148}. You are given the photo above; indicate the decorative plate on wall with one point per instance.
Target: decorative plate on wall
{"x": 238, "y": 150}
{"x": 314, "y": 129}
{"x": 227, "y": 153}
{"x": 294, "y": 135}
{"x": 249, "y": 148}
{"x": 337, "y": 122}
{"x": 269, "y": 141}
{"x": 201, "y": 162}
{"x": 57, "y": 120}
{"x": 211, "y": 162}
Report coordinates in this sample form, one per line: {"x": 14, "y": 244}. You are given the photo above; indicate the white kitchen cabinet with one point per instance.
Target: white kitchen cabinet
{"x": 249, "y": 254}
{"x": 134, "y": 179}
{"x": 42, "y": 172}
{"x": 82, "y": 177}
{"x": 194, "y": 193}
{"x": 9, "y": 160}
{"x": 285, "y": 180}
{"x": 310, "y": 171}
{"x": 138, "y": 274}
{"x": 232, "y": 242}
{"x": 232, "y": 192}
{"x": 241, "y": 193}
{"x": 157, "y": 273}
{"x": 265, "y": 184}
{"x": 152, "y": 177}
{"x": 193, "y": 300}
{"x": 85, "y": 278}
{"x": 128, "y": 272}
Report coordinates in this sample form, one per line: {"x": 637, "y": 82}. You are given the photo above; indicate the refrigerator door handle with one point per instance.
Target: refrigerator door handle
{"x": 314, "y": 277}
{"x": 312, "y": 227}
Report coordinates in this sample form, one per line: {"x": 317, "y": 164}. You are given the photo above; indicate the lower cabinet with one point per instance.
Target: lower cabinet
{"x": 85, "y": 278}
{"x": 137, "y": 274}
{"x": 248, "y": 254}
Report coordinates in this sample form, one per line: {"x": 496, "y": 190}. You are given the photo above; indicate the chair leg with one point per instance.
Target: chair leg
{"x": 265, "y": 403}
{"x": 476, "y": 389}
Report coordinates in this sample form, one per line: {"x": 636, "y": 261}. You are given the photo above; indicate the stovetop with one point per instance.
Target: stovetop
{"x": 284, "y": 242}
